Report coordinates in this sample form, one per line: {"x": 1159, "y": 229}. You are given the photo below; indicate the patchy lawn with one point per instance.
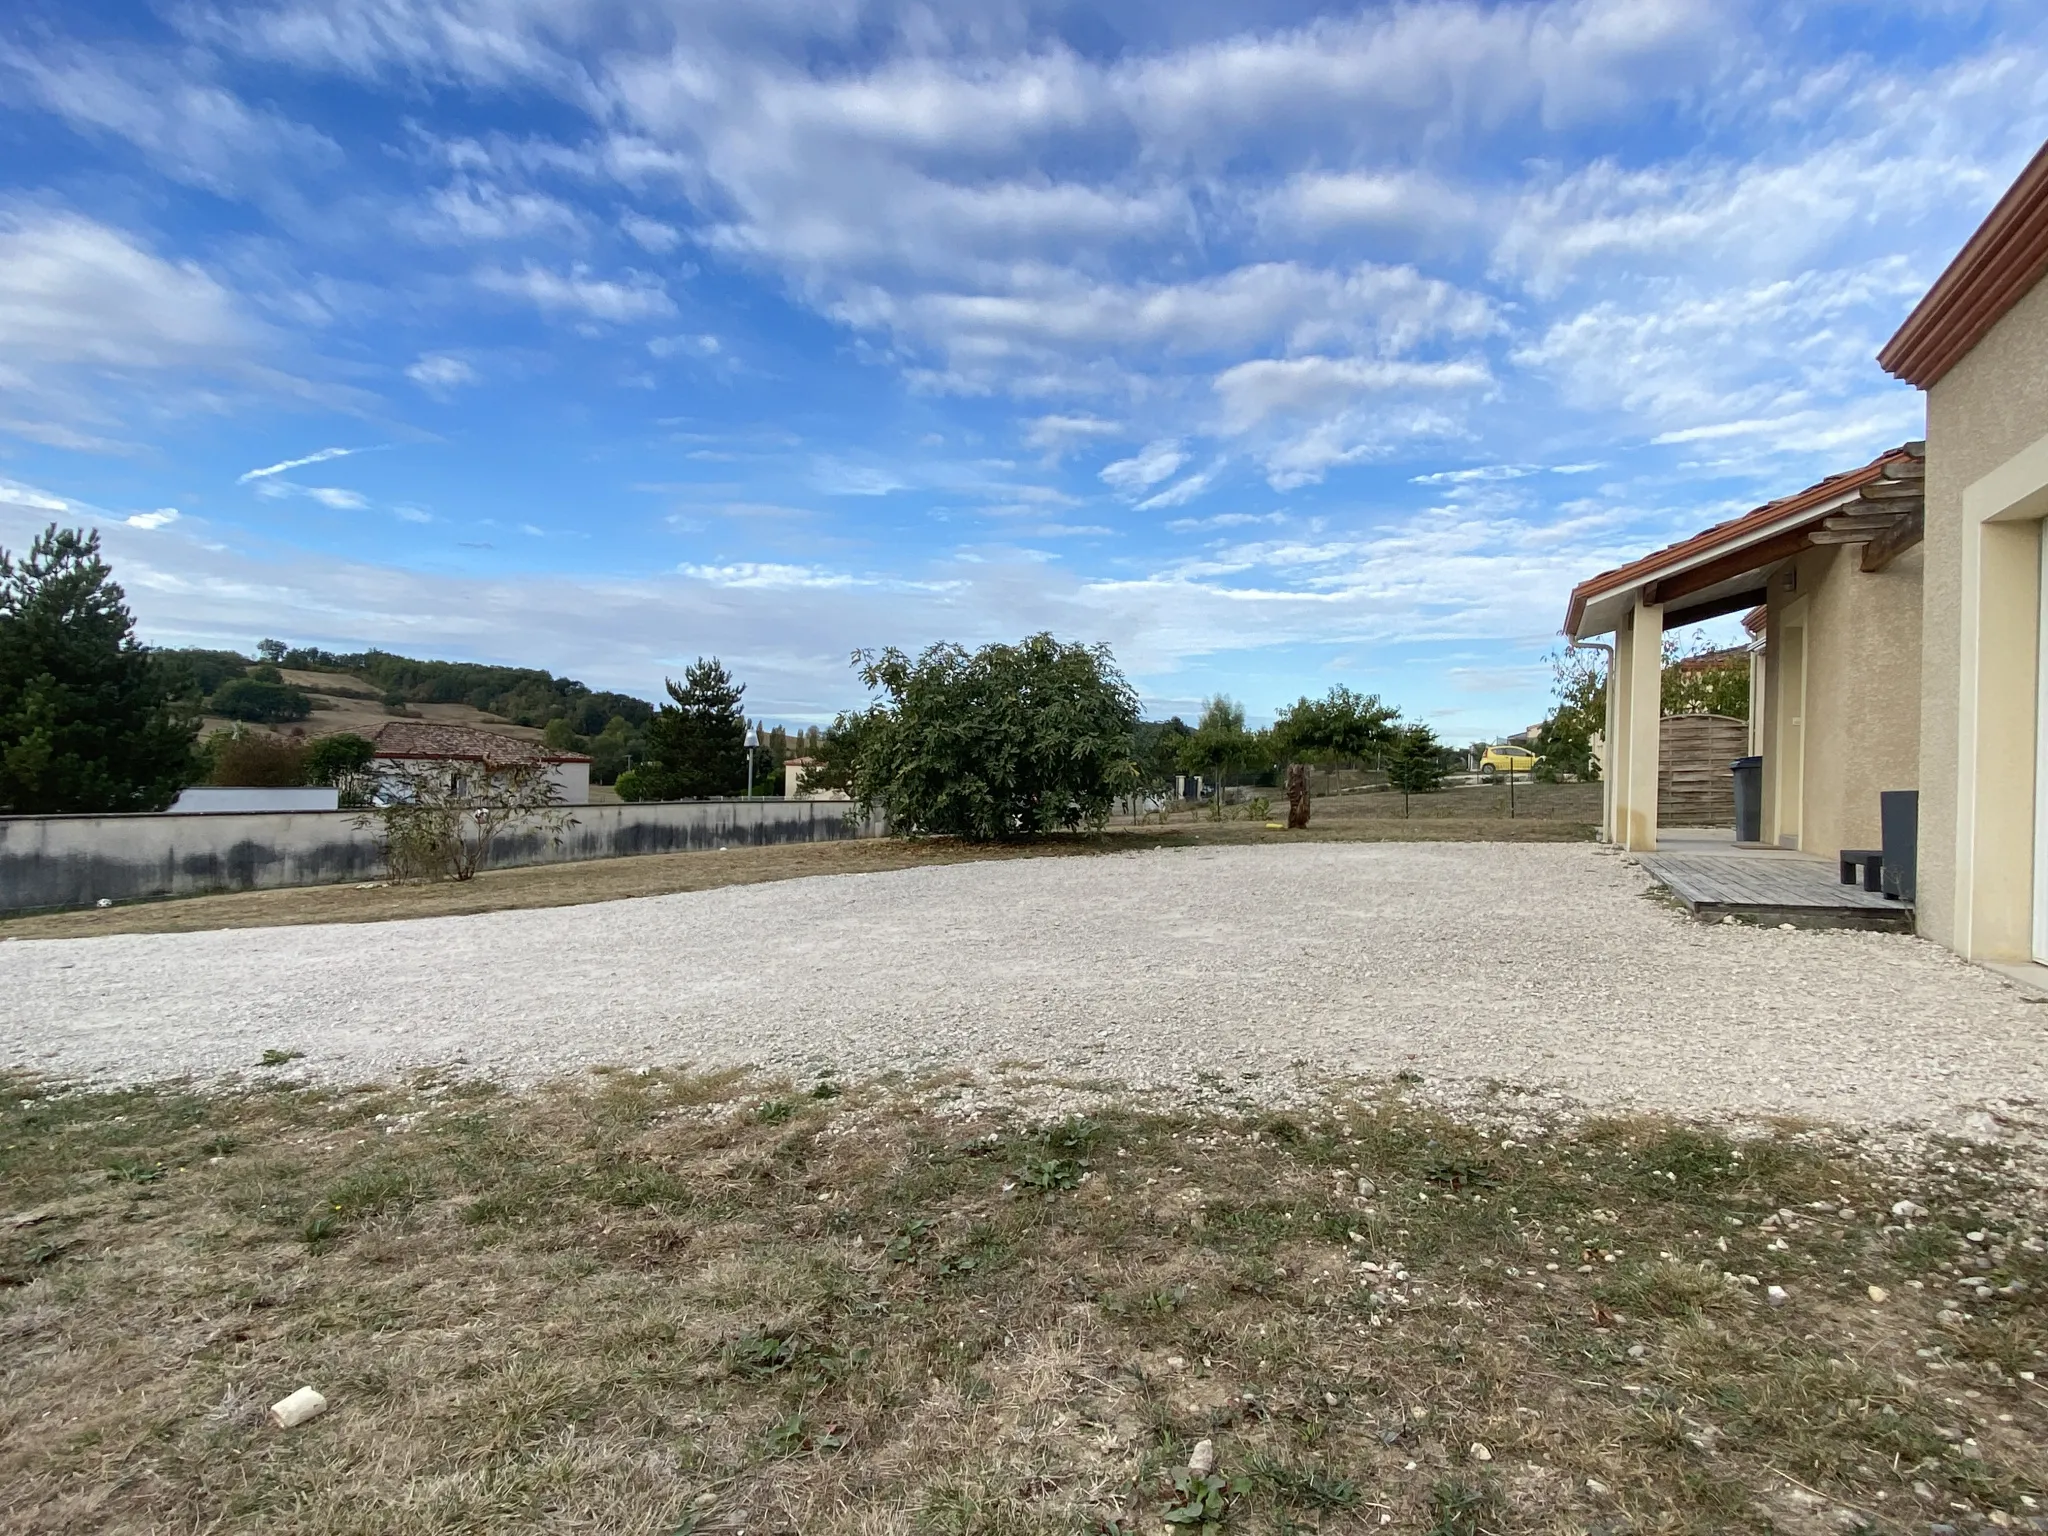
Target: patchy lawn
{"x": 661, "y": 1303}
{"x": 1544, "y": 813}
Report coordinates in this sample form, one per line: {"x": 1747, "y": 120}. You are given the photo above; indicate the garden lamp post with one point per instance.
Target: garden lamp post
{"x": 753, "y": 741}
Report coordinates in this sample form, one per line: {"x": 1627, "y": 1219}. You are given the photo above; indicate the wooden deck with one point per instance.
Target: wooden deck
{"x": 1769, "y": 886}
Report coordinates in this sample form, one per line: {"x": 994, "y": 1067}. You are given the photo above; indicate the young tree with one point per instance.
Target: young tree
{"x": 1219, "y": 743}
{"x": 245, "y": 758}
{"x": 1007, "y": 741}
{"x": 258, "y": 699}
{"x": 696, "y": 745}
{"x": 1343, "y": 726}
{"x": 87, "y": 721}
{"x": 1579, "y": 686}
{"x": 1705, "y": 681}
{"x": 1156, "y": 752}
{"x": 440, "y": 820}
{"x": 1415, "y": 764}
{"x": 342, "y": 760}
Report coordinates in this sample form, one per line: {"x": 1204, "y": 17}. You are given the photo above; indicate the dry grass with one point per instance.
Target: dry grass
{"x": 1546, "y": 813}
{"x": 661, "y": 1303}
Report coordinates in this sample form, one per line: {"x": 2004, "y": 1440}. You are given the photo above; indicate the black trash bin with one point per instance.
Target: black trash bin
{"x": 1898, "y": 814}
{"x": 1749, "y": 799}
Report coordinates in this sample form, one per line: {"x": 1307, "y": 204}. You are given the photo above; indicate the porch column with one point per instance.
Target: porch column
{"x": 1614, "y": 772}
{"x": 1645, "y": 717}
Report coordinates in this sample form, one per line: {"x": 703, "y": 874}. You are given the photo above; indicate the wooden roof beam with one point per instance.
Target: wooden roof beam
{"x": 1741, "y": 562}
{"x": 1903, "y": 535}
{"x": 1714, "y": 608}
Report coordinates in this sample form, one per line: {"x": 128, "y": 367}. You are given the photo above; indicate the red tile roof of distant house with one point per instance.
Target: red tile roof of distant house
{"x": 423, "y": 739}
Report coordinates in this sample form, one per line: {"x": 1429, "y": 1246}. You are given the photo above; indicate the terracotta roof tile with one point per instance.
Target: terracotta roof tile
{"x": 1730, "y": 534}
{"x": 462, "y": 743}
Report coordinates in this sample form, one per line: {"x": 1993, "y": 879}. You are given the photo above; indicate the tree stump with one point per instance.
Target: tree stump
{"x": 1297, "y": 796}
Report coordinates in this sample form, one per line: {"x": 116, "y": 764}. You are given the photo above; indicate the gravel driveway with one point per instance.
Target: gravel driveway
{"x": 1540, "y": 965}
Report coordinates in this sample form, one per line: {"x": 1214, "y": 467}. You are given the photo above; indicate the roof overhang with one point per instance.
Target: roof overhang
{"x": 1996, "y": 268}
{"x": 1727, "y": 568}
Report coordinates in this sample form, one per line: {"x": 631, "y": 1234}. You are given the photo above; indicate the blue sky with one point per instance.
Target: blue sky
{"x": 1278, "y": 346}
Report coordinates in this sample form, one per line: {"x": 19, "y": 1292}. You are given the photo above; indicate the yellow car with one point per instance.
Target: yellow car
{"x": 1500, "y": 760}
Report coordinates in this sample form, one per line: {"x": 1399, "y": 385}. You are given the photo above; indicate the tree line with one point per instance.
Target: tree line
{"x": 1002, "y": 741}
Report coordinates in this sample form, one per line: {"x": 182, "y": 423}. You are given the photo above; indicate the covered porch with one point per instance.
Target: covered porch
{"x": 1774, "y": 561}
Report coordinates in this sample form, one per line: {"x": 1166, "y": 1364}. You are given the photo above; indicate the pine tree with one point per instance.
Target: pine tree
{"x": 696, "y": 746}
{"x": 1415, "y": 762}
{"x": 87, "y": 721}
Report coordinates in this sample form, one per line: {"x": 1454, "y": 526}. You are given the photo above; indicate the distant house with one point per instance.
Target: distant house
{"x": 464, "y": 749}
{"x": 792, "y": 778}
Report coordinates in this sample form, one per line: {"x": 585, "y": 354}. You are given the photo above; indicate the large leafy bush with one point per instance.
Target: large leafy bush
{"x": 1007, "y": 741}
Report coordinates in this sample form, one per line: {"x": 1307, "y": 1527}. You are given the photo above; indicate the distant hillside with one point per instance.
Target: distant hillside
{"x": 319, "y": 693}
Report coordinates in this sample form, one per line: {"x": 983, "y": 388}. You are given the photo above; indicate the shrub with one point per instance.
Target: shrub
{"x": 1006, "y": 741}
{"x": 255, "y": 759}
{"x": 248, "y": 698}
{"x": 631, "y": 786}
{"x": 330, "y": 759}
{"x": 342, "y": 760}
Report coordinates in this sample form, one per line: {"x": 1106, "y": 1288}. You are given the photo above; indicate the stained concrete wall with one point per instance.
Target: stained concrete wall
{"x": 69, "y": 861}
{"x": 1990, "y": 407}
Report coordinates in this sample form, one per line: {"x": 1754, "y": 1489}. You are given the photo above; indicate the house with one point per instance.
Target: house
{"x": 1836, "y": 569}
{"x": 463, "y": 748}
{"x": 792, "y": 778}
{"x": 1898, "y": 614}
{"x": 1977, "y": 344}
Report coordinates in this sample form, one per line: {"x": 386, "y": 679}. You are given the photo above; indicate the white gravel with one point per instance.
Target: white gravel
{"x": 1533, "y": 965}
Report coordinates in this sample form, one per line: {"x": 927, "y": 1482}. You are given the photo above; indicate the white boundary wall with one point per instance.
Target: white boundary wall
{"x": 74, "y": 861}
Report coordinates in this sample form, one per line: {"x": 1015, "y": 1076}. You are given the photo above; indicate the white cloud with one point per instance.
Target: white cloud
{"x": 638, "y": 297}
{"x": 440, "y": 373}
{"x": 1056, "y": 433}
{"x": 1478, "y": 474}
{"x": 76, "y": 293}
{"x": 162, "y": 517}
{"x": 336, "y": 498}
{"x": 777, "y": 577}
{"x": 650, "y": 234}
{"x": 1180, "y": 493}
{"x": 1407, "y": 201}
{"x": 1696, "y": 362}
{"x": 190, "y": 127}
{"x": 468, "y": 211}
{"x": 1255, "y": 391}
{"x": 1226, "y": 520}
{"x": 14, "y": 494}
{"x": 318, "y": 456}
{"x": 684, "y": 346}
{"x": 1146, "y": 468}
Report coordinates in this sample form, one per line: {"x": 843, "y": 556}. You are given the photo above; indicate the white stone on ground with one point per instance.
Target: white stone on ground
{"x": 1540, "y": 965}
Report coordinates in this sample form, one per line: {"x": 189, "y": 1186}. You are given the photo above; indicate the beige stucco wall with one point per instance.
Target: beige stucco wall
{"x": 1989, "y": 407}
{"x": 1862, "y": 722}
